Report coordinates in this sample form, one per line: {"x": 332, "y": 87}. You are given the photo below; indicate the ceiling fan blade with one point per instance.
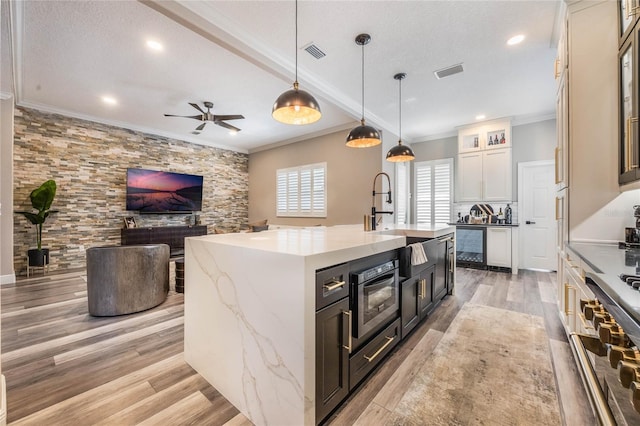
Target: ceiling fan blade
{"x": 228, "y": 117}
{"x": 200, "y": 127}
{"x": 226, "y": 125}
{"x": 196, "y": 106}
{"x": 197, "y": 117}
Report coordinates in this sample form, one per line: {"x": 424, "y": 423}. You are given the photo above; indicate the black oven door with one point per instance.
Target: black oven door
{"x": 377, "y": 301}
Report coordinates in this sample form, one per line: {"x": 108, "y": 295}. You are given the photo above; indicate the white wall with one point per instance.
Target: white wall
{"x": 532, "y": 142}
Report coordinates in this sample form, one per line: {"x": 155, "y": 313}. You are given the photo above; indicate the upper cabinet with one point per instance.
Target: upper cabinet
{"x": 488, "y": 135}
{"x": 628, "y": 121}
{"x": 627, "y": 17}
{"x": 484, "y": 170}
{"x": 629, "y": 30}
{"x": 484, "y": 176}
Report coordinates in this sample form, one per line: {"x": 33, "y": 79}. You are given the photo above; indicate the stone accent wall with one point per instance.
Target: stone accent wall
{"x": 89, "y": 163}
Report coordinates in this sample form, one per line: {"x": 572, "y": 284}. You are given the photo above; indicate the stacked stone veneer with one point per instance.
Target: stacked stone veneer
{"x": 89, "y": 163}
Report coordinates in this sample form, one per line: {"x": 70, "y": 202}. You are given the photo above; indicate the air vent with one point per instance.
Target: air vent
{"x": 314, "y": 51}
{"x": 446, "y": 72}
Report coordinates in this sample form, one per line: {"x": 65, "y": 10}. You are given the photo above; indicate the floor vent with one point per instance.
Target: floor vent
{"x": 446, "y": 72}
{"x": 315, "y": 51}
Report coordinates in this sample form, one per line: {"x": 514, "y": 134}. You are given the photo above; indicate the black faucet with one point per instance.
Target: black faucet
{"x": 373, "y": 209}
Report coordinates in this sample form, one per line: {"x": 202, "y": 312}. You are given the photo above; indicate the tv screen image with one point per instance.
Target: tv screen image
{"x": 152, "y": 191}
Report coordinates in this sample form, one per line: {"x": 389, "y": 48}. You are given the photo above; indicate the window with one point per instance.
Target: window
{"x": 301, "y": 191}
{"x": 434, "y": 191}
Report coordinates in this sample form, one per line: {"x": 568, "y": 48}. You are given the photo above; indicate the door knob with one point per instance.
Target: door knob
{"x": 528, "y": 222}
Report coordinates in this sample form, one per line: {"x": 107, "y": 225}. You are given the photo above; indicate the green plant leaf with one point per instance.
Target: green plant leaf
{"x": 42, "y": 197}
{"x": 31, "y": 217}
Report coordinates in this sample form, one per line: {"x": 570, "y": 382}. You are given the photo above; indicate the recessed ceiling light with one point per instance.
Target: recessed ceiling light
{"x": 154, "y": 45}
{"x": 515, "y": 39}
{"x": 109, "y": 100}
{"x": 481, "y": 117}
{"x": 233, "y": 132}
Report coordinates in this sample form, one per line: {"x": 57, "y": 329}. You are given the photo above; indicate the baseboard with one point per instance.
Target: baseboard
{"x": 7, "y": 279}
{"x": 3, "y": 401}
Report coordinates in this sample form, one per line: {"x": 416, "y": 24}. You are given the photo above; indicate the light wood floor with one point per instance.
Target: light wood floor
{"x": 64, "y": 367}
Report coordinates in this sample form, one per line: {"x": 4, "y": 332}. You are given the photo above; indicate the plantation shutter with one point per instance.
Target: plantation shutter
{"x": 434, "y": 191}
{"x": 301, "y": 191}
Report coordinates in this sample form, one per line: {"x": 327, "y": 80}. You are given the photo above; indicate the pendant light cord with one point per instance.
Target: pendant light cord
{"x": 296, "y": 47}
{"x": 400, "y": 109}
{"x": 363, "y": 84}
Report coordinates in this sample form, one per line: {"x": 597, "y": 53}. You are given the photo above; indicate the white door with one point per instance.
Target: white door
{"x": 536, "y": 215}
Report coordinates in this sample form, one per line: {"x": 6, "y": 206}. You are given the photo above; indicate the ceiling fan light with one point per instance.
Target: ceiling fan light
{"x": 363, "y": 136}
{"x": 400, "y": 153}
{"x": 296, "y": 107}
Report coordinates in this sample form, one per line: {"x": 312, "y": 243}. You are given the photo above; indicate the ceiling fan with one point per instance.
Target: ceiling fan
{"x": 207, "y": 116}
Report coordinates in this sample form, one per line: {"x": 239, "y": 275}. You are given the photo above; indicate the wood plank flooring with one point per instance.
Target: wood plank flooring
{"x": 64, "y": 367}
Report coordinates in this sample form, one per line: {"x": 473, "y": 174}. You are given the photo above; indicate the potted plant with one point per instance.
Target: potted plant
{"x": 41, "y": 199}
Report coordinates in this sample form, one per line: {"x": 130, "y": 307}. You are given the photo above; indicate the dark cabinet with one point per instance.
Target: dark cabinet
{"x": 172, "y": 235}
{"x": 416, "y": 299}
{"x": 332, "y": 356}
{"x": 442, "y": 249}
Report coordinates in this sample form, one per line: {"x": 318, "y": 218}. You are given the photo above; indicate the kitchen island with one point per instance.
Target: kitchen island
{"x": 250, "y": 311}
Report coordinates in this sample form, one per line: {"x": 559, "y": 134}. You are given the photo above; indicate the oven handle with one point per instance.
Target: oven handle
{"x": 380, "y": 281}
{"x": 589, "y": 378}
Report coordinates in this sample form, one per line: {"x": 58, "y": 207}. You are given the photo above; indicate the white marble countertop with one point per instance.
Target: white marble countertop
{"x": 309, "y": 241}
{"x": 250, "y": 310}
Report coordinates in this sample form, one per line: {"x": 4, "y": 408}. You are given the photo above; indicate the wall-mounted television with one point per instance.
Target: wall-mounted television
{"x": 152, "y": 191}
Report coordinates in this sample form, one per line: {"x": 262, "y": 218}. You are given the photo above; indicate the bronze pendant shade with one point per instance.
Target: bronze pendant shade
{"x": 400, "y": 153}
{"x": 296, "y": 106}
{"x": 363, "y": 136}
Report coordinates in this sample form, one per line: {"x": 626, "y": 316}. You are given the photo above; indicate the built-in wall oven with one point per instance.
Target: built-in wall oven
{"x": 375, "y": 299}
{"x": 375, "y": 304}
{"x": 471, "y": 246}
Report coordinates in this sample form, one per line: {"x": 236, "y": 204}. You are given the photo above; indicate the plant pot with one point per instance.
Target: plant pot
{"x": 38, "y": 257}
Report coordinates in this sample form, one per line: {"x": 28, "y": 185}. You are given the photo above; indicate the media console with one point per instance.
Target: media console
{"x": 172, "y": 235}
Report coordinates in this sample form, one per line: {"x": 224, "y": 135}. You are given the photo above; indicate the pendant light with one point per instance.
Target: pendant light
{"x": 296, "y": 106}
{"x": 363, "y": 136}
{"x": 400, "y": 153}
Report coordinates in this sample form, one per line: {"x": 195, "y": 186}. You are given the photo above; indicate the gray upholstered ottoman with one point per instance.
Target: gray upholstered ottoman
{"x": 126, "y": 279}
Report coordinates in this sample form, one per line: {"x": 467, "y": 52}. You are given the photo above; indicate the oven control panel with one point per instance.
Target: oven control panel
{"x": 371, "y": 273}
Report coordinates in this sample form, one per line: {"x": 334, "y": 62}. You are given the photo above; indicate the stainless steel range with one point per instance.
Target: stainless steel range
{"x": 606, "y": 352}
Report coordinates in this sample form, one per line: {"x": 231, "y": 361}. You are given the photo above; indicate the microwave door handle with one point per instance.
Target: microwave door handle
{"x": 380, "y": 282}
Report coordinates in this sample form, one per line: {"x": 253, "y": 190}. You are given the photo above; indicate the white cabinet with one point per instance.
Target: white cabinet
{"x": 484, "y": 176}
{"x": 499, "y": 247}
{"x": 494, "y": 134}
{"x": 470, "y": 177}
{"x": 562, "y": 134}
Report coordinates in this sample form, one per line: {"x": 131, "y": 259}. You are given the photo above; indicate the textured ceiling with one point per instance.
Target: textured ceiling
{"x": 240, "y": 56}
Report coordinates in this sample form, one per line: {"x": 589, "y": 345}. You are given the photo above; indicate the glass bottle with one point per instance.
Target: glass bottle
{"x": 502, "y": 140}
{"x": 490, "y": 140}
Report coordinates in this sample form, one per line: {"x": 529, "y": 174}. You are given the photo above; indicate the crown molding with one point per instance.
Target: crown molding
{"x": 303, "y": 138}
